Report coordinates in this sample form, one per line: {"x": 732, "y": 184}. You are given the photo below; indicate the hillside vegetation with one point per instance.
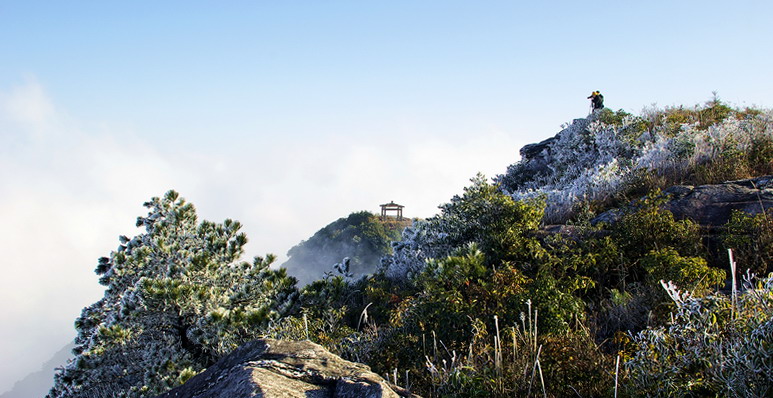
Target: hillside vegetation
{"x": 361, "y": 238}
{"x": 613, "y": 157}
{"x": 478, "y": 301}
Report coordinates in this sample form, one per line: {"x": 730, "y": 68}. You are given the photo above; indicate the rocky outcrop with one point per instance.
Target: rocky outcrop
{"x": 712, "y": 205}
{"x": 540, "y": 152}
{"x": 277, "y": 368}
{"x": 537, "y": 158}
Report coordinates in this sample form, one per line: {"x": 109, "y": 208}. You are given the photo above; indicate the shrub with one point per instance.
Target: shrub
{"x": 751, "y": 238}
{"x": 690, "y": 272}
{"x": 514, "y": 359}
{"x": 483, "y": 215}
{"x": 712, "y": 348}
{"x": 646, "y": 227}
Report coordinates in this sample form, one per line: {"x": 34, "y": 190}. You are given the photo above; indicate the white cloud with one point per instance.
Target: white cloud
{"x": 64, "y": 198}
{"x": 29, "y": 107}
{"x": 69, "y": 189}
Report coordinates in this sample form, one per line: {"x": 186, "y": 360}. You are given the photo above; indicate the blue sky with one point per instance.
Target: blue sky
{"x": 289, "y": 115}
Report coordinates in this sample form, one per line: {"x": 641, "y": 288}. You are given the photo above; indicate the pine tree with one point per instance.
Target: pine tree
{"x": 176, "y": 299}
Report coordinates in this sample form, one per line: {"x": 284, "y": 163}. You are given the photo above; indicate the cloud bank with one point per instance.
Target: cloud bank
{"x": 69, "y": 188}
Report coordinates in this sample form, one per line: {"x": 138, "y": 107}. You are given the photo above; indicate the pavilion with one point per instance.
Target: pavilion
{"x": 392, "y": 206}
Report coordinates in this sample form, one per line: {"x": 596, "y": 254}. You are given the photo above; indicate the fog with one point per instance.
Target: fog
{"x": 71, "y": 187}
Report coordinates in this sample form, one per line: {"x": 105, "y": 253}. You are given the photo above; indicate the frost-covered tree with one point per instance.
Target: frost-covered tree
{"x": 482, "y": 215}
{"x": 176, "y": 299}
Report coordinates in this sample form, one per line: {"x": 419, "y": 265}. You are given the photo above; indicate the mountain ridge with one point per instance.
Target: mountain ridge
{"x": 478, "y": 282}
{"x": 37, "y": 384}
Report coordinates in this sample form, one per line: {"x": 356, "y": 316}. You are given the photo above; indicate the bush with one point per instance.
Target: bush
{"x": 690, "y": 272}
{"x": 644, "y": 230}
{"x": 751, "y": 238}
{"x": 497, "y": 224}
{"x": 712, "y": 348}
{"x": 517, "y": 360}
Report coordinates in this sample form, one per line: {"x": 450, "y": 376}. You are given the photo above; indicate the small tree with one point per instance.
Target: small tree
{"x": 176, "y": 299}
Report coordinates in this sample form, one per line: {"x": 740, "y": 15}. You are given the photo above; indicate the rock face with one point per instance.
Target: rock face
{"x": 536, "y": 158}
{"x": 712, "y": 205}
{"x": 539, "y": 153}
{"x": 287, "y": 369}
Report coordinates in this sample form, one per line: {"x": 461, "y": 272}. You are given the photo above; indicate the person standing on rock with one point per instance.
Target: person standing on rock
{"x": 597, "y": 101}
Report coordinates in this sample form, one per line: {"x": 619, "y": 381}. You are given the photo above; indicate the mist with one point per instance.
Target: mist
{"x": 70, "y": 187}
{"x": 355, "y": 244}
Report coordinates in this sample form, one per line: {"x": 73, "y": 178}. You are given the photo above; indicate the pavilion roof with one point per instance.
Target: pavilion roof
{"x": 392, "y": 205}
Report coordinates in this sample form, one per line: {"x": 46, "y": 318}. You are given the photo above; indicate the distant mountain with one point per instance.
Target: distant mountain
{"x": 362, "y": 237}
{"x": 38, "y": 384}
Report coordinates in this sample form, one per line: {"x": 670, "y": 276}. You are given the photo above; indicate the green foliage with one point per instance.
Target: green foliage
{"x": 455, "y": 298}
{"x": 496, "y": 265}
{"x": 557, "y": 301}
{"x": 751, "y": 238}
{"x": 334, "y": 299}
{"x": 186, "y": 375}
{"x": 648, "y": 227}
{"x": 645, "y": 245}
{"x": 691, "y": 273}
{"x": 462, "y": 286}
{"x": 361, "y": 237}
{"x": 494, "y": 221}
{"x": 608, "y": 116}
{"x": 713, "y": 347}
{"x": 177, "y": 298}
{"x": 574, "y": 364}
{"x": 714, "y": 111}
{"x": 627, "y": 261}
{"x": 759, "y": 155}
{"x": 115, "y": 334}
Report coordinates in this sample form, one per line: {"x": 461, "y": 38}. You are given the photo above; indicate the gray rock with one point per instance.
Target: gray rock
{"x": 711, "y": 205}
{"x": 277, "y": 368}
{"x": 540, "y": 149}
{"x": 679, "y": 191}
{"x": 541, "y": 152}
{"x": 536, "y": 158}
{"x": 608, "y": 217}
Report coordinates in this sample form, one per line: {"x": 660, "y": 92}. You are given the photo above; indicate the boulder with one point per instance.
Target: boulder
{"x": 536, "y": 158}
{"x": 712, "y": 205}
{"x": 540, "y": 149}
{"x": 278, "y": 368}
